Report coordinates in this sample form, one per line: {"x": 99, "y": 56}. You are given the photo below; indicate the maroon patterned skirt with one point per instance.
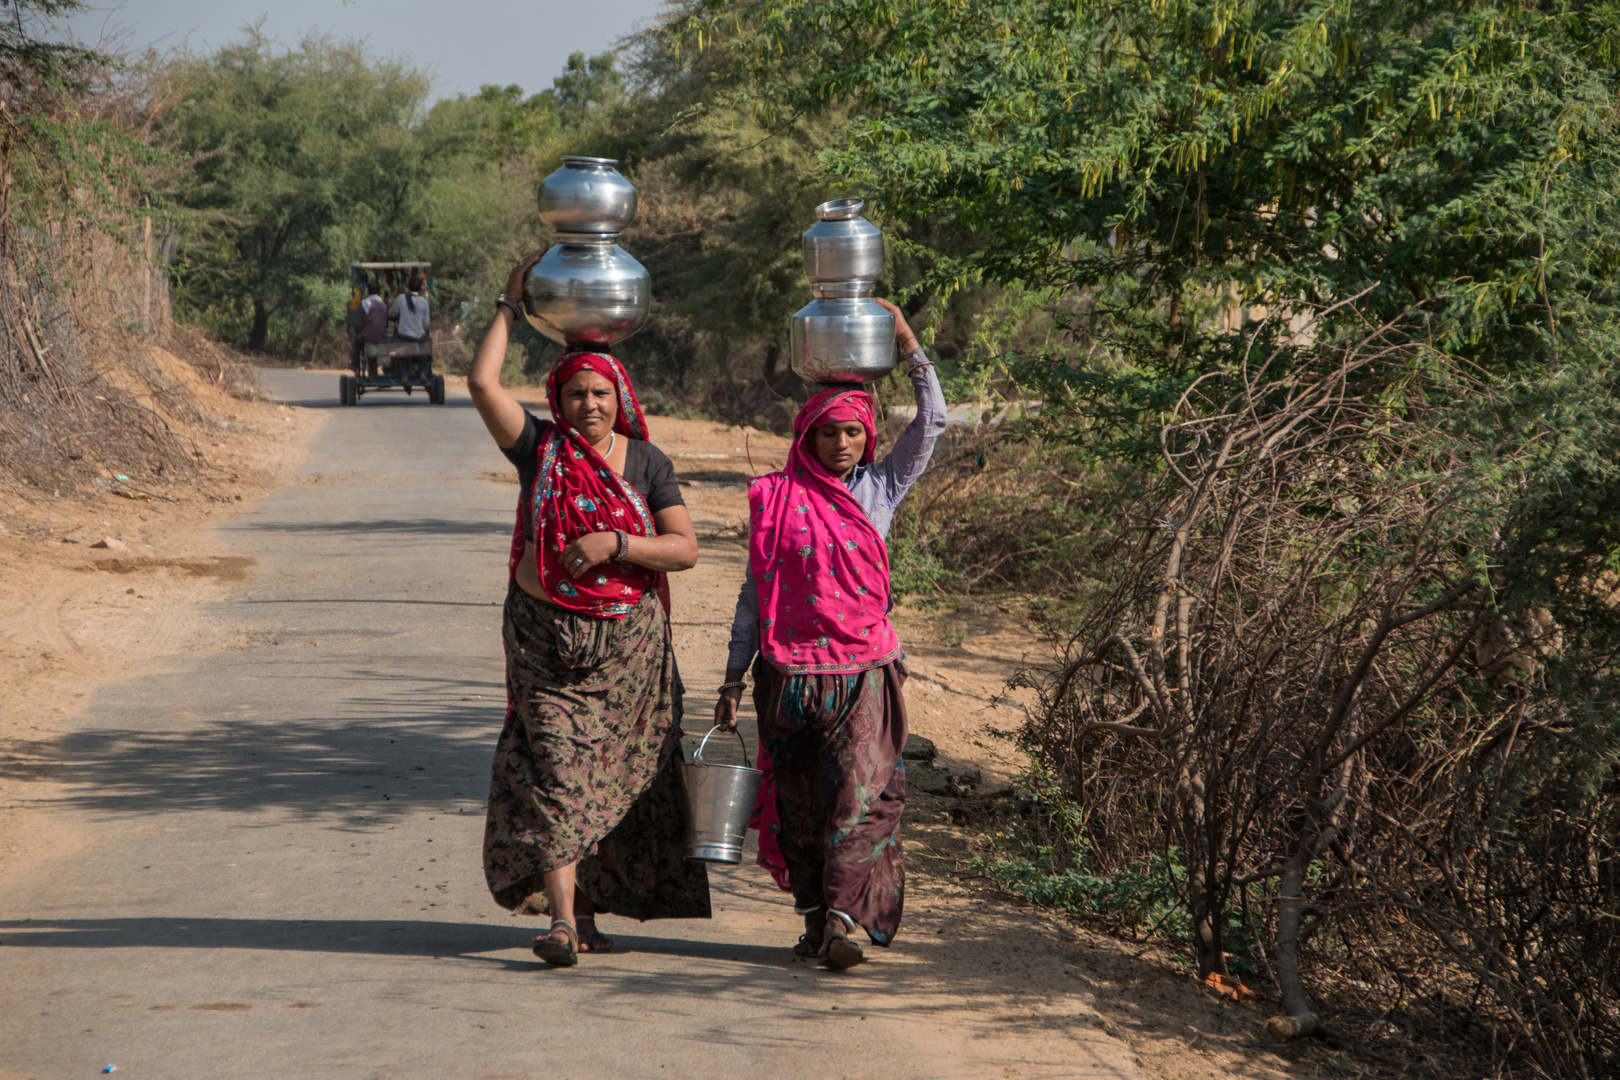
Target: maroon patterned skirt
{"x": 834, "y": 741}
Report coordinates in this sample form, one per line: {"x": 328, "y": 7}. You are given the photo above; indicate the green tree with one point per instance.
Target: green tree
{"x": 307, "y": 158}
{"x": 585, "y": 84}
{"x": 1202, "y": 183}
{"x": 65, "y": 146}
{"x": 1158, "y": 157}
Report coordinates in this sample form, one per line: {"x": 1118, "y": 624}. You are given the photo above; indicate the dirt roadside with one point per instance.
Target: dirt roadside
{"x": 103, "y": 587}
{"x": 72, "y": 616}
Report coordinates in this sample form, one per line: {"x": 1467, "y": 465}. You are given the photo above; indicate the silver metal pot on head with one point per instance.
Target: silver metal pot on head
{"x": 587, "y": 195}
{"x": 843, "y": 336}
{"x": 587, "y": 295}
{"x": 842, "y": 245}
{"x": 586, "y": 291}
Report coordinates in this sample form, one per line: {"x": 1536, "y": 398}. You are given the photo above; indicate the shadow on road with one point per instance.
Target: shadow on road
{"x": 925, "y": 983}
{"x": 380, "y": 527}
{"x": 376, "y": 401}
{"x": 429, "y": 743}
{"x": 377, "y": 937}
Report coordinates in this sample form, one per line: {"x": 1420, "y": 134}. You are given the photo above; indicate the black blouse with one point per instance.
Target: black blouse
{"x": 647, "y": 468}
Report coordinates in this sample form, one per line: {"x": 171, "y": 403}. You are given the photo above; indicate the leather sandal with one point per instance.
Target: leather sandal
{"x": 593, "y": 940}
{"x": 558, "y": 953}
{"x": 809, "y": 945}
{"x": 837, "y": 951}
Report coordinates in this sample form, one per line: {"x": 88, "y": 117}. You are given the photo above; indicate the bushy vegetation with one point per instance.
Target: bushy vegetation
{"x": 1328, "y": 407}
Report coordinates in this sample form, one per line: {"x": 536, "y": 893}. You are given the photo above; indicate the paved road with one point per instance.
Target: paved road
{"x": 269, "y": 864}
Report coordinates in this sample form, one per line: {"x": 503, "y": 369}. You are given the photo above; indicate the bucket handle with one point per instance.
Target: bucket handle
{"x": 697, "y": 758}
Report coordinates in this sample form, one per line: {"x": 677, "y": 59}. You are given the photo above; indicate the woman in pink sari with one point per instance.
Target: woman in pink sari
{"x": 814, "y": 606}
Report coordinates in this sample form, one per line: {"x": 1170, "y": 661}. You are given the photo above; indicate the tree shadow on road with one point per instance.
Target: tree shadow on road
{"x": 370, "y": 527}
{"x": 923, "y": 983}
{"x": 420, "y": 742}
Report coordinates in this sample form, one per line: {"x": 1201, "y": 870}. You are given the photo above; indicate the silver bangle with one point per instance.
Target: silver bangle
{"x": 624, "y": 544}
{"x": 738, "y": 685}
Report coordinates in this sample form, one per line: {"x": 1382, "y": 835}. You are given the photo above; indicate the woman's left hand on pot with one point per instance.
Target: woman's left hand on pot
{"x": 903, "y": 337}
{"x": 588, "y": 551}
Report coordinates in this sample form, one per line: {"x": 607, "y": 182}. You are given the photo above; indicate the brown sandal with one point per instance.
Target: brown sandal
{"x": 557, "y": 952}
{"x": 592, "y": 940}
{"x": 809, "y": 945}
{"x": 837, "y": 951}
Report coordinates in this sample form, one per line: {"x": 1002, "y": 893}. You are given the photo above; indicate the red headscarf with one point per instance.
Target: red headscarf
{"x": 630, "y": 422}
{"x": 576, "y": 492}
{"x": 820, "y": 566}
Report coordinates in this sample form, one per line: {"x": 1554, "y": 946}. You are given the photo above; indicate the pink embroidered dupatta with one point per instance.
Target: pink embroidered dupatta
{"x": 820, "y": 567}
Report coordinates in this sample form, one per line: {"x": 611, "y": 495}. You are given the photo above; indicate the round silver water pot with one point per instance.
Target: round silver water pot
{"x": 587, "y": 294}
{"x": 587, "y": 195}
{"x": 842, "y": 245}
{"x": 843, "y": 340}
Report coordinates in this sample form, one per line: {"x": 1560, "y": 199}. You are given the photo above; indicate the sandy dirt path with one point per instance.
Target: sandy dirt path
{"x": 256, "y": 851}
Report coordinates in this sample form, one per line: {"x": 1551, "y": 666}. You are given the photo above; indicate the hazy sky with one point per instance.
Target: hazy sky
{"x": 466, "y": 43}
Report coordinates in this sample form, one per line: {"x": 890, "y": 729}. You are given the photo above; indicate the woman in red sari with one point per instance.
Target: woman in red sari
{"x": 585, "y": 809}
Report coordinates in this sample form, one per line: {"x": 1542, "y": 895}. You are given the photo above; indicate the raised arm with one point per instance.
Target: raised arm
{"x": 501, "y": 412}
{"x": 903, "y": 465}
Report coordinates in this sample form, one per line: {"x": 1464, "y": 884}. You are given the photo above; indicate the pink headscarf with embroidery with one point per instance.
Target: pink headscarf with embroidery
{"x": 820, "y": 567}
{"x": 577, "y": 492}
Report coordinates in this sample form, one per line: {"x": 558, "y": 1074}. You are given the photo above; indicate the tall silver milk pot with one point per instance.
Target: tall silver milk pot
{"x": 842, "y": 336}
{"x": 587, "y": 291}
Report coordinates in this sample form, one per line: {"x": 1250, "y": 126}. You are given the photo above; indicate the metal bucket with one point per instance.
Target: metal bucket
{"x": 719, "y": 802}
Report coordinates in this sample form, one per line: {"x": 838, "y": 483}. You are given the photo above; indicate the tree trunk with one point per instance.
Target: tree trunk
{"x": 1299, "y": 1022}
{"x": 1203, "y": 901}
{"x": 1209, "y": 943}
{"x": 261, "y": 327}
{"x": 146, "y": 270}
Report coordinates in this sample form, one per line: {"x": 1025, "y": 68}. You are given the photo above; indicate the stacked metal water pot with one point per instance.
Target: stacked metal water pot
{"x": 587, "y": 292}
{"x": 843, "y": 335}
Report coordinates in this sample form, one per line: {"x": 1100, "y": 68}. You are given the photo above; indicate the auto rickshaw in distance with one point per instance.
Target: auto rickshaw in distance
{"x": 393, "y": 362}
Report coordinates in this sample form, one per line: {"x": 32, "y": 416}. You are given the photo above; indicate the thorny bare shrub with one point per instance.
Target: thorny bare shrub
{"x": 1317, "y": 685}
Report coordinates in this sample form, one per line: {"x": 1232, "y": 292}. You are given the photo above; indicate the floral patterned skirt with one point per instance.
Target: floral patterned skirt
{"x": 834, "y": 743}
{"x": 587, "y": 768}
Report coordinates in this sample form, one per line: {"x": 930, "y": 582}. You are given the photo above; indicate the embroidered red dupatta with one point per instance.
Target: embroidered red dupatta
{"x": 576, "y": 492}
